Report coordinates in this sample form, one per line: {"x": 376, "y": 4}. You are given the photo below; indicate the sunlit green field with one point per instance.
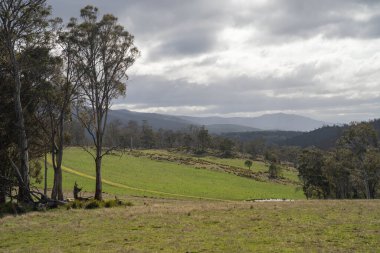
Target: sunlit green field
{"x": 141, "y": 176}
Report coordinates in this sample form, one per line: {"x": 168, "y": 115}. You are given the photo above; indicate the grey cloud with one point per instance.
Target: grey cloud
{"x": 182, "y": 27}
{"x": 299, "y": 18}
{"x": 241, "y": 95}
{"x": 187, "y": 42}
{"x": 191, "y": 27}
{"x": 71, "y": 8}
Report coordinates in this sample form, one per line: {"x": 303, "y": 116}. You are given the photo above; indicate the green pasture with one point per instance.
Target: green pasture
{"x": 141, "y": 176}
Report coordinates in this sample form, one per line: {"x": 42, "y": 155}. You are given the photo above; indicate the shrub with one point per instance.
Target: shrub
{"x": 76, "y": 204}
{"x": 199, "y": 152}
{"x": 128, "y": 203}
{"x": 112, "y": 203}
{"x": 92, "y": 204}
{"x": 116, "y": 202}
{"x": 248, "y": 163}
{"x": 274, "y": 170}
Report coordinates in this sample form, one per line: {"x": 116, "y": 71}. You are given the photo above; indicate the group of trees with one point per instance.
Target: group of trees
{"x": 350, "y": 170}
{"x": 140, "y": 135}
{"x": 51, "y": 73}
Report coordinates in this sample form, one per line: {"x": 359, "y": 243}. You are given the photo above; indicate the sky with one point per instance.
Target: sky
{"x": 316, "y": 58}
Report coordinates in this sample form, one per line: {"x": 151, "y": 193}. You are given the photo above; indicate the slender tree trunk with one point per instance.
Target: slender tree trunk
{"x": 2, "y": 194}
{"x": 98, "y": 187}
{"x": 98, "y": 158}
{"x": 45, "y": 176}
{"x": 24, "y": 181}
{"x": 57, "y": 192}
{"x": 366, "y": 185}
{"x": 2, "y": 198}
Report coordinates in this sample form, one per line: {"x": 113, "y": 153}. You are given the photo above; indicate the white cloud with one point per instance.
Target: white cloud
{"x": 174, "y": 110}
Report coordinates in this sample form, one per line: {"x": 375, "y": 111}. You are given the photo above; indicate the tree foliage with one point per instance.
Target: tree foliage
{"x": 23, "y": 25}
{"x": 314, "y": 183}
{"x": 350, "y": 170}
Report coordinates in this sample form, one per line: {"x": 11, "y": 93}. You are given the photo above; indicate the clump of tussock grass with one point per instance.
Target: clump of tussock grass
{"x": 76, "y": 204}
{"x": 93, "y": 204}
{"x": 116, "y": 202}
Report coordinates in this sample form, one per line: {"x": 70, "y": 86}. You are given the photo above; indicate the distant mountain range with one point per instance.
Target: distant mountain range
{"x": 218, "y": 125}
{"x": 157, "y": 121}
{"x": 279, "y": 128}
{"x": 277, "y": 121}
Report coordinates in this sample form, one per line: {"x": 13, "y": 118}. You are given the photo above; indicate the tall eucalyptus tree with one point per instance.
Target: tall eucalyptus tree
{"x": 104, "y": 51}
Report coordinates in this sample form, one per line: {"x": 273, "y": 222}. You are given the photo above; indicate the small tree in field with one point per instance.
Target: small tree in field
{"x": 274, "y": 170}
{"x": 104, "y": 51}
{"x": 248, "y": 164}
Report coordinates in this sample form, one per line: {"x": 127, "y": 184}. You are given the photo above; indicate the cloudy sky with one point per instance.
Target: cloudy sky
{"x": 317, "y": 58}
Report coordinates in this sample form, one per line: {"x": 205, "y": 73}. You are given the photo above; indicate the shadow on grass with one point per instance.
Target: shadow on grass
{"x": 14, "y": 208}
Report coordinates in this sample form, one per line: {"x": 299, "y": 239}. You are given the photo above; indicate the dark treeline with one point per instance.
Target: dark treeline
{"x": 323, "y": 138}
{"x": 273, "y": 137}
{"x": 193, "y": 139}
{"x": 141, "y": 135}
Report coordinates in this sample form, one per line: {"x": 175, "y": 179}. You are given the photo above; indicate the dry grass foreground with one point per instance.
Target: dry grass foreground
{"x": 155, "y": 225}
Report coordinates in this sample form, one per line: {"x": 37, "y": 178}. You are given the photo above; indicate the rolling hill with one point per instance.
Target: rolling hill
{"x": 277, "y": 121}
{"x": 157, "y": 121}
{"x": 324, "y": 138}
{"x": 217, "y": 125}
{"x": 229, "y": 128}
{"x": 270, "y": 137}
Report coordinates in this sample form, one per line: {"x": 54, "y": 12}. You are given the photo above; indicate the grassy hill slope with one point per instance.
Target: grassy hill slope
{"x": 141, "y": 176}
